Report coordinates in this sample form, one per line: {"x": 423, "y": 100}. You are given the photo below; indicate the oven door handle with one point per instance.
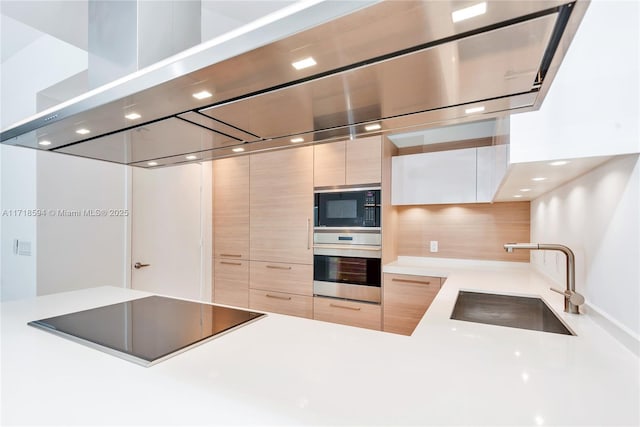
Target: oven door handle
{"x": 358, "y": 247}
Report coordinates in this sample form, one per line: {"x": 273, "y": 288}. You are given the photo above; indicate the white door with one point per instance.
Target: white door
{"x": 166, "y": 231}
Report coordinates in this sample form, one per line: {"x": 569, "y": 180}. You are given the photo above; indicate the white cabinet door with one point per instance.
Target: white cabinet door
{"x": 434, "y": 178}
{"x": 484, "y": 177}
{"x": 492, "y": 166}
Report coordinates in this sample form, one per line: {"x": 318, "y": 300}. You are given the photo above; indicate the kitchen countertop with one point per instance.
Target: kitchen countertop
{"x": 288, "y": 370}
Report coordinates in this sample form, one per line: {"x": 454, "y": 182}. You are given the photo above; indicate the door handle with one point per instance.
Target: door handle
{"x": 138, "y": 265}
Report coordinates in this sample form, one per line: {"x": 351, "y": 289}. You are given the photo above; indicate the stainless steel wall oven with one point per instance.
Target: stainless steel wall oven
{"x": 348, "y": 264}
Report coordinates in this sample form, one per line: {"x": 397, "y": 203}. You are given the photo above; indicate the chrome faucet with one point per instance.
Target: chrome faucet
{"x": 572, "y": 299}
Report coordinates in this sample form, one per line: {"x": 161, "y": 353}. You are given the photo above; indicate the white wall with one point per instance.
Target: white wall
{"x": 18, "y": 193}
{"x": 41, "y": 64}
{"x": 598, "y": 217}
{"x": 593, "y": 106}
{"x": 76, "y": 252}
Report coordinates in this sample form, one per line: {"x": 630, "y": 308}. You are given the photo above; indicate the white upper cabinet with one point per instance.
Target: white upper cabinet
{"x": 470, "y": 175}
{"x": 492, "y": 164}
{"x": 434, "y": 178}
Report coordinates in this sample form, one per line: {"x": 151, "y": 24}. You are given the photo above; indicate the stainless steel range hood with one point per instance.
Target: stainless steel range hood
{"x": 397, "y": 64}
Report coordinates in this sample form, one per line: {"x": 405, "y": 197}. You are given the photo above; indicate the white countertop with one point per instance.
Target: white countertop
{"x": 287, "y": 370}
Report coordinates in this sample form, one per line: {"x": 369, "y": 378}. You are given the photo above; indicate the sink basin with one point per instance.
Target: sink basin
{"x": 507, "y": 310}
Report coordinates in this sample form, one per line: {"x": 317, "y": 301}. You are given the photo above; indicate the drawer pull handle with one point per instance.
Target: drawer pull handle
{"x": 230, "y": 263}
{"x": 278, "y": 297}
{"x": 230, "y": 255}
{"x": 278, "y": 267}
{"x": 420, "y": 282}
{"x": 345, "y": 307}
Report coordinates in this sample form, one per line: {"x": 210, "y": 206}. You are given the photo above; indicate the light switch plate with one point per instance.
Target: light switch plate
{"x": 433, "y": 246}
{"x": 21, "y": 247}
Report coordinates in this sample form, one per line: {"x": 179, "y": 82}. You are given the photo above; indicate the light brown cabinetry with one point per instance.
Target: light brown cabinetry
{"x": 281, "y": 232}
{"x": 282, "y": 277}
{"x": 281, "y": 302}
{"x": 360, "y": 314}
{"x": 364, "y": 161}
{"x": 231, "y": 208}
{"x": 405, "y": 300}
{"x": 281, "y": 206}
{"x": 231, "y": 231}
{"x": 351, "y": 162}
{"x": 329, "y": 164}
{"x": 231, "y": 282}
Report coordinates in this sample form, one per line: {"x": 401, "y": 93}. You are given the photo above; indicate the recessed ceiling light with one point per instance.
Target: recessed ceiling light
{"x": 469, "y": 12}
{"x": 202, "y": 95}
{"x": 559, "y": 163}
{"x": 538, "y": 178}
{"x": 297, "y": 139}
{"x": 152, "y": 163}
{"x": 517, "y": 196}
{"x": 44, "y": 143}
{"x": 237, "y": 150}
{"x": 304, "y": 63}
{"x": 372, "y": 127}
{"x": 132, "y": 116}
{"x": 524, "y": 190}
{"x": 83, "y": 131}
{"x": 191, "y": 157}
{"x": 479, "y": 109}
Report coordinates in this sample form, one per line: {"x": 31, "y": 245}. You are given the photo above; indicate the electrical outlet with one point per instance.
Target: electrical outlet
{"x": 433, "y": 246}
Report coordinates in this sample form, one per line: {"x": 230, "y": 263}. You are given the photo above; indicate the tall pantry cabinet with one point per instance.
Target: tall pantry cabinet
{"x": 281, "y": 231}
{"x": 231, "y": 231}
{"x": 263, "y": 231}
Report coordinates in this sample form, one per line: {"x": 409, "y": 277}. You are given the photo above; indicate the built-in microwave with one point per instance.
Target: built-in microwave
{"x": 347, "y": 208}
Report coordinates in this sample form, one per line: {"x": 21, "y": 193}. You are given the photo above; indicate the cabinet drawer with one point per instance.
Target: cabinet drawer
{"x": 351, "y": 313}
{"x": 280, "y": 277}
{"x": 231, "y": 282}
{"x": 279, "y": 302}
{"x": 406, "y": 298}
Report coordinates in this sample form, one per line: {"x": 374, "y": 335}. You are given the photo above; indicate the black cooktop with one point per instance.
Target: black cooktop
{"x": 147, "y": 330}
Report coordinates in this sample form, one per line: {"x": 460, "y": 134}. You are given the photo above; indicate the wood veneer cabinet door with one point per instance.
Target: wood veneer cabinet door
{"x": 231, "y": 282}
{"x": 352, "y": 313}
{"x": 279, "y": 277}
{"x": 231, "y": 208}
{"x": 283, "y": 303}
{"x": 281, "y": 206}
{"x": 405, "y": 300}
{"x": 329, "y": 164}
{"x": 364, "y": 161}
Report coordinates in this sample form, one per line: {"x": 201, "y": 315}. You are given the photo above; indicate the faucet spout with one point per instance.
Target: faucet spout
{"x": 572, "y": 299}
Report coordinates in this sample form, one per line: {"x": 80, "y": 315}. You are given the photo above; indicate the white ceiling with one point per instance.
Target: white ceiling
{"x": 22, "y": 22}
{"x": 15, "y": 36}
{"x": 64, "y": 20}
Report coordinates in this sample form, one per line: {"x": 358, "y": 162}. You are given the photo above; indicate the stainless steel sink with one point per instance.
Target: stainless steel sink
{"x": 507, "y": 310}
